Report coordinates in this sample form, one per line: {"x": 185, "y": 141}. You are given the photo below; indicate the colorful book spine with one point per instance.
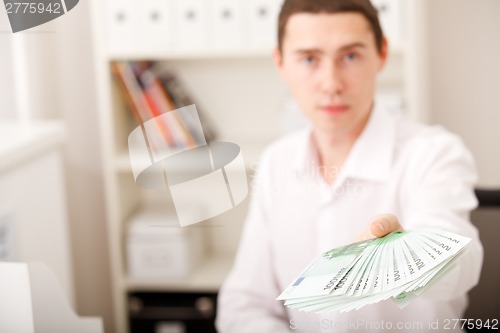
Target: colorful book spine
{"x": 150, "y": 99}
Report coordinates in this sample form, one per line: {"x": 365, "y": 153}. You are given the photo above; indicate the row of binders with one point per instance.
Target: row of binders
{"x": 170, "y": 25}
{"x": 150, "y": 92}
{"x": 160, "y": 26}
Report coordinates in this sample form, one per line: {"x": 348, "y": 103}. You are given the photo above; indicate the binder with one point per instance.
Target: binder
{"x": 390, "y": 12}
{"x": 191, "y": 24}
{"x": 155, "y": 24}
{"x": 121, "y": 23}
{"x": 262, "y": 22}
{"x": 227, "y": 24}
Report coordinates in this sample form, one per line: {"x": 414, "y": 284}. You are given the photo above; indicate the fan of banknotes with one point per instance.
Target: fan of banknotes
{"x": 400, "y": 266}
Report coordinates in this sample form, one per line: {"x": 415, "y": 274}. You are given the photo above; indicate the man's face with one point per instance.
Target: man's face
{"x": 330, "y": 62}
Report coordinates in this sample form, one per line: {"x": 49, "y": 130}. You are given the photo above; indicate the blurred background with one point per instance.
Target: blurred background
{"x": 67, "y": 105}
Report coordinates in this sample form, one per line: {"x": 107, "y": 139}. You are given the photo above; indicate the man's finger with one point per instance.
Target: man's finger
{"x": 384, "y": 224}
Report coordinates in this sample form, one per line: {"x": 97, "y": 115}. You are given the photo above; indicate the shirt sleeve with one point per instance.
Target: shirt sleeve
{"x": 441, "y": 195}
{"x": 247, "y": 299}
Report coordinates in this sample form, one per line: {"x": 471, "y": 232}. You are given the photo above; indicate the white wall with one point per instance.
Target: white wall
{"x": 78, "y": 107}
{"x": 7, "y": 105}
{"x": 57, "y": 59}
{"x": 464, "y": 45}
{"x": 28, "y": 62}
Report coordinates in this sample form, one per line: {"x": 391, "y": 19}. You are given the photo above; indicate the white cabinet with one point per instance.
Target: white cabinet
{"x": 221, "y": 51}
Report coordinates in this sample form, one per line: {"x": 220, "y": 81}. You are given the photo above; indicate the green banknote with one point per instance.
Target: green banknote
{"x": 400, "y": 266}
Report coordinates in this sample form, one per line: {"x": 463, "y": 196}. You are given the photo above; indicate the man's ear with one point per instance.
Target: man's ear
{"x": 277, "y": 57}
{"x": 278, "y": 60}
{"x": 384, "y": 53}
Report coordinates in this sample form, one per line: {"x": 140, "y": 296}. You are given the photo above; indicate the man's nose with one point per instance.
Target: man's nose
{"x": 331, "y": 82}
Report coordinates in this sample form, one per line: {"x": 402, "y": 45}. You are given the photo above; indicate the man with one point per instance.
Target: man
{"x": 335, "y": 182}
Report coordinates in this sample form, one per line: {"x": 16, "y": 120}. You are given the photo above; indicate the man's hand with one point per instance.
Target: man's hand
{"x": 380, "y": 226}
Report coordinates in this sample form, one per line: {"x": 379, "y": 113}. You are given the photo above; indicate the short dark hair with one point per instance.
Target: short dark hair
{"x": 363, "y": 7}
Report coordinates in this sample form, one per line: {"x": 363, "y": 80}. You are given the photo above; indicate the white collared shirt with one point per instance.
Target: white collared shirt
{"x": 422, "y": 174}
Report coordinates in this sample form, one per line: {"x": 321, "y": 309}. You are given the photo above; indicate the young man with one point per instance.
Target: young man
{"x": 327, "y": 186}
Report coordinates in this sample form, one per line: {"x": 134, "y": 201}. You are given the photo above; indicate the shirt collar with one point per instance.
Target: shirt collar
{"x": 370, "y": 157}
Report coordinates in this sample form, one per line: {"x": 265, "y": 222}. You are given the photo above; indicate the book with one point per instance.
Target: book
{"x": 182, "y": 136}
{"x": 150, "y": 95}
{"x": 181, "y": 98}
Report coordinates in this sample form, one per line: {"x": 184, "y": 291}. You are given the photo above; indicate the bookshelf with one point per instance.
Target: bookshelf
{"x": 238, "y": 88}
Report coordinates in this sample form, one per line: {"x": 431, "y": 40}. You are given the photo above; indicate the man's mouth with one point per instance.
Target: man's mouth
{"x": 334, "y": 109}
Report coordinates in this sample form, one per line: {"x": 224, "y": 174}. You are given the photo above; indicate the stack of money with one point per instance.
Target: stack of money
{"x": 400, "y": 266}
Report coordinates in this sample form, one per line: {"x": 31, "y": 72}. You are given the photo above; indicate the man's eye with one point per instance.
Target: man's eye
{"x": 350, "y": 57}
{"x": 309, "y": 60}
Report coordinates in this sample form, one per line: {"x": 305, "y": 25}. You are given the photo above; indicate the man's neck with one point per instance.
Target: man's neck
{"x": 333, "y": 149}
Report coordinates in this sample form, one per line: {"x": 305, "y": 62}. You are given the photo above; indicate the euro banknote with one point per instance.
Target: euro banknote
{"x": 399, "y": 266}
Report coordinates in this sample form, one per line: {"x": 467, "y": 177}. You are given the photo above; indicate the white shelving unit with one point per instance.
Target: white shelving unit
{"x": 236, "y": 86}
